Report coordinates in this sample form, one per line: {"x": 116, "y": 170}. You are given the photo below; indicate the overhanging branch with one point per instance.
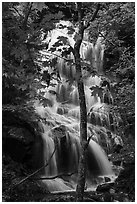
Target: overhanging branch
{"x": 51, "y": 53}
{"x": 37, "y": 171}
{"x": 93, "y": 16}
{"x": 53, "y": 177}
{"x": 29, "y": 5}
{"x": 106, "y": 39}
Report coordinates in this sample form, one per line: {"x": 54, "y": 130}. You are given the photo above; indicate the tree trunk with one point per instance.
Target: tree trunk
{"x": 83, "y": 126}
{"x": 83, "y": 111}
{"x": 82, "y": 101}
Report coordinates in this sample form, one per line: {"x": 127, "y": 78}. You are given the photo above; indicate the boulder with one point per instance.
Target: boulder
{"x": 21, "y": 134}
{"x": 105, "y": 187}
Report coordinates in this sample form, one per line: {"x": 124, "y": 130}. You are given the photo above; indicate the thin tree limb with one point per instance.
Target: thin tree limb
{"x": 106, "y": 39}
{"x": 35, "y": 172}
{"x": 81, "y": 31}
{"x": 17, "y": 11}
{"x": 53, "y": 177}
{"x": 30, "y": 56}
{"x": 93, "y": 16}
{"x": 68, "y": 60}
{"x": 89, "y": 139}
{"x": 27, "y": 14}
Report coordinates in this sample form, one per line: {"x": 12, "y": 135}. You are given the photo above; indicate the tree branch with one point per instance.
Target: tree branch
{"x": 81, "y": 31}
{"x": 106, "y": 39}
{"x": 37, "y": 171}
{"x": 27, "y": 14}
{"x": 30, "y": 56}
{"x": 88, "y": 141}
{"x": 93, "y": 17}
{"x": 17, "y": 11}
{"x": 67, "y": 60}
{"x": 53, "y": 177}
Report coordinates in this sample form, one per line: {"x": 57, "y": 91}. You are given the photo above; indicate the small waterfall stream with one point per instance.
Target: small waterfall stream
{"x": 61, "y": 128}
{"x": 66, "y": 157}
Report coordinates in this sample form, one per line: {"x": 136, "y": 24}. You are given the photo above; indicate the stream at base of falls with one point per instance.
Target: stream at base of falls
{"x": 62, "y": 116}
{"x": 62, "y": 131}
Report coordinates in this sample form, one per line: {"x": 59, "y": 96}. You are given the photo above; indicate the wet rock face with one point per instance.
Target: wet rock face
{"x": 127, "y": 176}
{"x": 18, "y": 143}
{"x": 105, "y": 187}
{"x": 105, "y": 123}
{"x": 31, "y": 140}
{"x": 20, "y": 134}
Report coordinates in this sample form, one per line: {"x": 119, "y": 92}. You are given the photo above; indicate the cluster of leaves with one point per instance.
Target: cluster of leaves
{"x": 116, "y": 24}
{"x": 22, "y": 38}
{"x": 25, "y": 26}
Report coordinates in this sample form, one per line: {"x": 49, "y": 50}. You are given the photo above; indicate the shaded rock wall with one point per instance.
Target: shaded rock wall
{"x": 21, "y": 135}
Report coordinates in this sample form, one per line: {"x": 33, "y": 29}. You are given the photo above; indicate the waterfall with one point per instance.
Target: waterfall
{"x": 66, "y": 157}
{"x": 61, "y": 129}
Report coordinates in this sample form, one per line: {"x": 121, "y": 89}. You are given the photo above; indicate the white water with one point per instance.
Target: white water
{"x": 62, "y": 121}
{"x": 65, "y": 160}
{"x": 66, "y": 157}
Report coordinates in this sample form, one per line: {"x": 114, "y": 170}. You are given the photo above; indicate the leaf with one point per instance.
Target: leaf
{"x": 70, "y": 62}
{"x": 23, "y": 87}
{"x": 60, "y": 26}
{"x": 53, "y": 84}
{"x": 38, "y": 5}
{"x": 96, "y": 90}
{"x": 46, "y": 102}
{"x": 20, "y": 52}
{"x": 45, "y": 63}
{"x": 32, "y": 93}
{"x": 52, "y": 49}
{"x": 71, "y": 30}
{"x": 53, "y": 62}
{"x": 77, "y": 37}
{"x": 66, "y": 52}
{"x": 57, "y": 44}
{"x": 63, "y": 39}
{"x": 46, "y": 77}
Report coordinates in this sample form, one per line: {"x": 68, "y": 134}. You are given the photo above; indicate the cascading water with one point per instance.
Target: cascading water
{"x": 64, "y": 161}
{"x": 61, "y": 129}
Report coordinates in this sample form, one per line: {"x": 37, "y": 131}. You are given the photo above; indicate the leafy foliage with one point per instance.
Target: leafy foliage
{"x": 22, "y": 41}
{"x": 97, "y": 91}
{"x": 25, "y": 26}
{"x": 116, "y": 24}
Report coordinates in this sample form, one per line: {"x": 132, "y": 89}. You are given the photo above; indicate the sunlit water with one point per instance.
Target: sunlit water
{"x": 62, "y": 123}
